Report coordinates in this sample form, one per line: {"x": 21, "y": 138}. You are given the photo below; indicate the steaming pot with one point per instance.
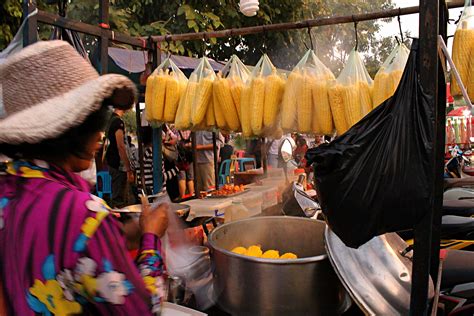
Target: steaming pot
{"x": 255, "y": 286}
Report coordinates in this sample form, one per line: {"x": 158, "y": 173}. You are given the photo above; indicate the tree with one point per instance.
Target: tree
{"x": 158, "y": 17}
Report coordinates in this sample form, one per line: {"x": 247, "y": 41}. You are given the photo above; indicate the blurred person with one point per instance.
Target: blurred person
{"x": 168, "y": 174}
{"x": 205, "y": 173}
{"x": 120, "y": 168}
{"x": 300, "y": 150}
{"x": 253, "y": 148}
{"x": 185, "y": 164}
{"x": 62, "y": 252}
{"x": 226, "y": 151}
{"x": 273, "y": 152}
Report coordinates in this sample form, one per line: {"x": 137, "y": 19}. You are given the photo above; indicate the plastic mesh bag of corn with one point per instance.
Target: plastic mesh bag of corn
{"x": 463, "y": 51}
{"x": 195, "y": 108}
{"x": 305, "y": 105}
{"x": 388, "y": 77}
{"x": 227, "y": 90}
{"x": 260, "y": 99}
{"x": 350, "y": 96}
{"x": 164, "y": 88}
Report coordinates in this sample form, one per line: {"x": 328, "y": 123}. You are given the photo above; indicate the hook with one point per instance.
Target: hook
{"x": 264, "y": 46}
{"x": 204, "y": 40}
{"x": 400, "y": 24}
{"x": 310, "y": 37}
{"x": 168, "y": 40}
{"x": 356, "y": 35}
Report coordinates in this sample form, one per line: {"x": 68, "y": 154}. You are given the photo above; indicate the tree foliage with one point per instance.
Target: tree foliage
{"x": 159, "y": 17}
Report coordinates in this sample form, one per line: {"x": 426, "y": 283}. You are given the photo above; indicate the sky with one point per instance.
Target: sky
{"x": 410, "y": 22}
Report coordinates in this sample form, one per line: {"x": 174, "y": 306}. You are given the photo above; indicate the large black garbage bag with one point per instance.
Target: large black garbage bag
{"x": 376, "y": 177}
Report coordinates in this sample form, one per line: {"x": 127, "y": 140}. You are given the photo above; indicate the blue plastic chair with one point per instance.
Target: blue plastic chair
{"x": 106, "y": 181}
{"x": 243, "y": 161}
{"x": 224, "y": 171}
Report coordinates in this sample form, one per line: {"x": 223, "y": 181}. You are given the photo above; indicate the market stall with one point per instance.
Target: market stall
{"x": 433, "y": 21}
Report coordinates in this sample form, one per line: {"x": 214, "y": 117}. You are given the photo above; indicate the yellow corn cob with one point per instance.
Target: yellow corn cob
{"x": 274, "y": 88}
{"x": 202, "y": 100}
{"x": 210, "y": 118}
{"x": 159, "y": 92}
{"x": 183, "y": 116}
{"x": 226, "y": 103}
{"x": 352, "y": 107}
{"x": 236, "y": 91}
{"x": 288, "y": 105}
{"x": 149, "y": 97}
{"x": 171, "y": 99}
{"x": 395, "y": 77}
{"x": 219, "y": 116}
{"x": 365, "y": 97}
{"x": 246, "y": 111}
{"x": 381, "y": 88}
{"x": 462, "y": 49}
{"x": 321, "y": 108}
{"x": 257, "y": 99}
{"x": 304, "y": 103}
{"x": 336, "y": 102}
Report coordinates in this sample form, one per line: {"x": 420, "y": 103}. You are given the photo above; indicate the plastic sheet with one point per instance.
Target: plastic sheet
{"x": 164, "y": 89}
{"x": 305, "y": 106}
{"x": 388, "y": 77}
{"x": 463, "y": 51}
{"x": 376, "y": 178}
{"x": 350, "y": 96}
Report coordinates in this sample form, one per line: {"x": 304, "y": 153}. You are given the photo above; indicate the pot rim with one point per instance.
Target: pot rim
{"x": 265, "y": 260}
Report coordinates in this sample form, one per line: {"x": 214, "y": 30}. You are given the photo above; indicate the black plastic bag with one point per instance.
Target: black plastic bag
{"x": 376, "y": 177}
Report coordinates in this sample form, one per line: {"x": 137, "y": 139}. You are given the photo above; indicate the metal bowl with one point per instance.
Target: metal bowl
{"x": 182, "y": 210}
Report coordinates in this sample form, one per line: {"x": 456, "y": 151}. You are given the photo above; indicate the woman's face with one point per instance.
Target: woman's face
{"x": 78, "y": 164}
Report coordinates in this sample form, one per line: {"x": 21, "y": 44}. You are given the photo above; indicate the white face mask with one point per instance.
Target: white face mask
{"x": 90, "y": 174}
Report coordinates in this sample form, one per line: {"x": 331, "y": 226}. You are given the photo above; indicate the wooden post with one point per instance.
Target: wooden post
{"x": 104, "y": 39}
{"x": 428, "y": 70}
{"x": 439, "y": 147}
{"x": 30, "y": 32}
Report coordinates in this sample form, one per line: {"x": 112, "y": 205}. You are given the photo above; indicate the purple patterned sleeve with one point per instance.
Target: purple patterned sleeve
{"x": 119, "y": 284}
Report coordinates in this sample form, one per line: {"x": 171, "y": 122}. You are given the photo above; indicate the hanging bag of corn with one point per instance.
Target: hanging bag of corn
{"x": 305, "y": 106}
{"x": 351, "y": 94}
{"x": 193, "y": 107}
{"x": 388, "y": 77}
{"x": 164, "y": 88}
{"x": 261, "y": 98}
{"x": 463, "y": 52}
{"x": 227, "y": 90}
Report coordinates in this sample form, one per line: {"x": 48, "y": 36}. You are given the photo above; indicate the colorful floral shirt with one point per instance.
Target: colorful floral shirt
{"x": 62, "y": 253}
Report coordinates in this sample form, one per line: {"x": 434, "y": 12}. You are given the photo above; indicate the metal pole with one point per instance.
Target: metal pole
{"x": 197, "y": 188}
{"x": 264, "y": 156}
{"x": 157, "y": 160}
{"x": 30, "y": 32}
{"x": 104, "y": 39}
{"x": 428, "y": 62}
{"x": 216, "y": 170}
{"x": 157, "y": 142}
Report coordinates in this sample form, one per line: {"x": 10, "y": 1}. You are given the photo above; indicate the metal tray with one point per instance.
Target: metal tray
{"x": 376, "y": 275}
{"x": 226, "y": 196}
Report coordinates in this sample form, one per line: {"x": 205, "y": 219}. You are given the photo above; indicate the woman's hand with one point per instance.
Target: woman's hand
{"x": 154, "y": 221}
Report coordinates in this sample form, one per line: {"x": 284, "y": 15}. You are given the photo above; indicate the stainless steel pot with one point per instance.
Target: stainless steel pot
{"x": 255, "y": 286}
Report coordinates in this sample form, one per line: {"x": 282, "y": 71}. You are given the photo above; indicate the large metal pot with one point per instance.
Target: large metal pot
{"x": 255, "y": 286}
